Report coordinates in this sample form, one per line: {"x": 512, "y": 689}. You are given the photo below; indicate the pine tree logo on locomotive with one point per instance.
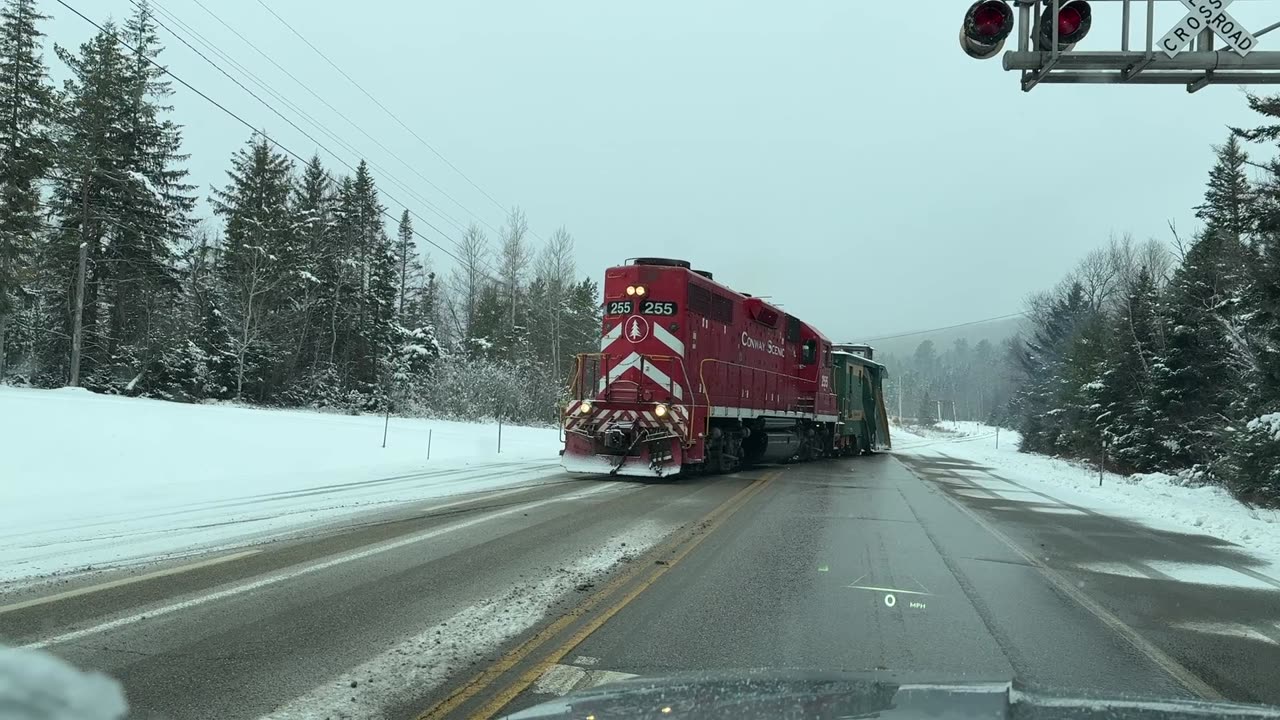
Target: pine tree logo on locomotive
{"x": 693, "y": 376}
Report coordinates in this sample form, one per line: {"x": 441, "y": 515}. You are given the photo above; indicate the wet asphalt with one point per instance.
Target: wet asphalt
{"x": 914, "y": 566}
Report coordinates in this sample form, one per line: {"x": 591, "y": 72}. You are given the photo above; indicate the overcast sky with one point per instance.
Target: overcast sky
{"x": 842, "y": 156}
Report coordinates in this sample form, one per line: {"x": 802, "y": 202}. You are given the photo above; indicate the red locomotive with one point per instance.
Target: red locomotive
{"x": 693, "y": 375}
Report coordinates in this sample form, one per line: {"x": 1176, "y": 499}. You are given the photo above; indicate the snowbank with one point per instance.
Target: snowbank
{"x": 91, "y": 479}
{"x": 1156, "y": 500}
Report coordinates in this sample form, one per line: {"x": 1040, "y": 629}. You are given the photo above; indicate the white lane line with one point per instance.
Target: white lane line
{"x": 586, "y": 660}
{"x": 318, "y": 567}
{"x": 124, "y": 581}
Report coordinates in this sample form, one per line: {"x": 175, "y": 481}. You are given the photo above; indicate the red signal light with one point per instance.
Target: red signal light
{"x": 988, "y": 19}
{"x": 986, "y": 25}
{"x": 1069, "y": 20}
{"x": 1075, "y": 17}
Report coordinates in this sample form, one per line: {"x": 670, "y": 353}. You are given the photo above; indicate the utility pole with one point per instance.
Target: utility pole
{"x": 901, "y": 379}
{"x": 77, "y": 320}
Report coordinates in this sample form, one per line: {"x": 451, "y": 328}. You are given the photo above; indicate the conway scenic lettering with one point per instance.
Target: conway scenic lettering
{"x": 762, "y": 345}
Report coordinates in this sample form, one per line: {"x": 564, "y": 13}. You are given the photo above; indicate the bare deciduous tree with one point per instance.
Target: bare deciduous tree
{"x": 514, "y": 261}
{"x": 555, "y": 267}
{"x": 468, "y": 277}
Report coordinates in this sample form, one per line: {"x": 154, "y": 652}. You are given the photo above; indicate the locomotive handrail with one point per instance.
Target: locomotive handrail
{"x": 702, "y": 380}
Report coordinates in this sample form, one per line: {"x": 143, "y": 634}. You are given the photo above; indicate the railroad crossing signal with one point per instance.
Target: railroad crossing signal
{"x": 985, "y": 27}
{"x": 1211, "y": 14}
{"x": 1047, "y": 33}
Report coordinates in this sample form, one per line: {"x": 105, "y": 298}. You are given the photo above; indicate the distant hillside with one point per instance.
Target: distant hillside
{"x": 996, "y": 332}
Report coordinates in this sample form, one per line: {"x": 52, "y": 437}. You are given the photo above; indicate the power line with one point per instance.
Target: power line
{"x": 200, "y": 38}
{"x": 348, "y": 120}
{"x": 947, "y": 327}
{"x": 283, "y": 148}
{"x": 383, "y": 107}
{"x": 228, "y": 111}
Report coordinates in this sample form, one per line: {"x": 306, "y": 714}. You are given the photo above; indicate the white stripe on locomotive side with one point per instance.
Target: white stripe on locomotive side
{"x": 737, "y": 412}
{"x": 672, "y": 342}
{"x": 614, "y": 333}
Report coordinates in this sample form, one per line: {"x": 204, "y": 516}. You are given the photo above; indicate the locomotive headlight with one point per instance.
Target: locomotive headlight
{"x": 639, "y": 289}
{"x": 660, "y": 410}
{"x": 631, "y": 289}
{"x": 584, "y": 407}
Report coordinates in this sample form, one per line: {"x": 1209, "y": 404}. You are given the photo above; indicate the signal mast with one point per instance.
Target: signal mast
{"x": 1048, "y": 31}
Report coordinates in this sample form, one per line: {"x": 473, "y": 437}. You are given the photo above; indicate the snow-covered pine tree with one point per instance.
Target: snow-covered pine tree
{"x": 1039, "y": 359}
{"x": 1207, "y": 354}
{"x": 409, "y": 272}
{"x": 583, "y": 318}
{"x": 375, "y": 293}
{"x": 143, "y": 283}
{"x": 28, "y": 108}
{"x": 428, "y": 302}
{"x": 1135, "y": 433}
{"x": 91, "y": 191}
{"x": 1228, "y": 198}
{"x": 318, "y": 284}
{"x": 1253, "y": 444}
{"x": 1073, "y": 405}
{"x": 255, "y": 261}
{"x": 1263, "y": 295}
{"x": 487, "y": 323}
{"x": 927, "y": 410}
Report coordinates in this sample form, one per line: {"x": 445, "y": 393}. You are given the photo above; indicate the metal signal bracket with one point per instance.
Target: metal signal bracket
{"x": 1162, "y": 61}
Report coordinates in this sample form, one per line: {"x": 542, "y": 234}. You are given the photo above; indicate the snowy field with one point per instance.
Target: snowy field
{"x": 91, "y": 480}
{"x": 1157, "y": 501}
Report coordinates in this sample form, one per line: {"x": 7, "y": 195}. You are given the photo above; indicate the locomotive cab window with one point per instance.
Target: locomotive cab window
{"x": 809, "y": 352}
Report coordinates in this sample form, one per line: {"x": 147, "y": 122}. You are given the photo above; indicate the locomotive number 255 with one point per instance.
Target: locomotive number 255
{"x": 653, "y": 307}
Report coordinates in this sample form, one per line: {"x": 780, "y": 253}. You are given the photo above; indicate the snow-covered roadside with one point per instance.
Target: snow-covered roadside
{"x": 426, "y": 660}
{"x": 92, "y": 480}
{"x": 1155, "y": 500}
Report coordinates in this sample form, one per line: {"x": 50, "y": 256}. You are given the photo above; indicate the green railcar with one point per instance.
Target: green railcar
{"x": 862, "y": 425}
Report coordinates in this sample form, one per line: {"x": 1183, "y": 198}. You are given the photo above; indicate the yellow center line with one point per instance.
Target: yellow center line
{"x": 124, "y": 581}
{"x": 502, "y": 698}
{"x": 495, "y": 671}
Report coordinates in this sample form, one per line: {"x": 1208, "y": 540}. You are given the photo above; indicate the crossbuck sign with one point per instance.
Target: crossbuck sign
{"x": 1211, "y": 14}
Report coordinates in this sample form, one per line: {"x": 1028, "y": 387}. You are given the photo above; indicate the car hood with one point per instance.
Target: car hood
{"x": 803, "y": 694}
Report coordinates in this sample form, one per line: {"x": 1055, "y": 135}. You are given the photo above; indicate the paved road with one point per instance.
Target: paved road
{"x": 909, "y": 565}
